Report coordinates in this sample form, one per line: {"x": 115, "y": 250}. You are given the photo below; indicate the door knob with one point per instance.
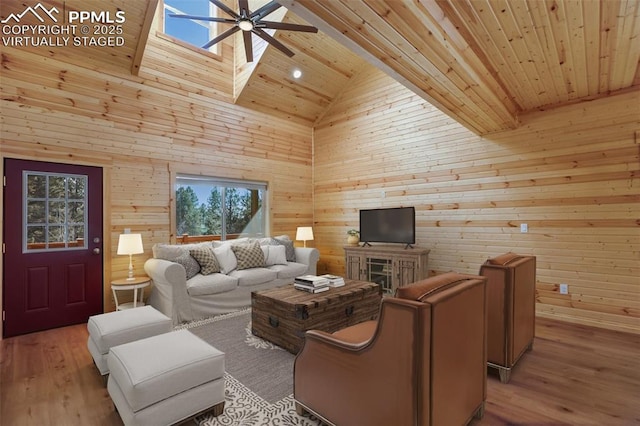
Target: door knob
{"x": 96, "y": 250}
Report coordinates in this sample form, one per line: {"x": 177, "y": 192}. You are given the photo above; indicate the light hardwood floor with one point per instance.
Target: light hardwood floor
{"x": 574, "y": 375}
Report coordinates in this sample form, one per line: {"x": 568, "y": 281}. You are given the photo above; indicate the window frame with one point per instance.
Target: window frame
{"x": 47, "y": 245}
{"x": 213, "y": 51}
{"x": 177, "y": 177}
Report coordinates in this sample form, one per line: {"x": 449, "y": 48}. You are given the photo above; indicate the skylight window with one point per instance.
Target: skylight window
{"x": 193, "y": 32}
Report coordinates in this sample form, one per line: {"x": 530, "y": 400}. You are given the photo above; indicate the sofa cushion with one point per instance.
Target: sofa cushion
{"x": 290, "y": 270}
{"x": 206, "y": 259}
{"x": 180, "y": 254}
{"x": 288, "y": 245}
{"x": 215, "y": 283}
{"x": 253, "y": 276}
{"x": 226, "y": 258}
{"x": 248, "y": 255}
{"x": 274, "y": 255}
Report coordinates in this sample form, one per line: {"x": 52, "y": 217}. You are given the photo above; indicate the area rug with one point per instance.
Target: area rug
{"x": 258, "y": 378}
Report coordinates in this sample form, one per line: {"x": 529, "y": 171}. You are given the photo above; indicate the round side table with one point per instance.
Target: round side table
{"x": 137, "y": 283}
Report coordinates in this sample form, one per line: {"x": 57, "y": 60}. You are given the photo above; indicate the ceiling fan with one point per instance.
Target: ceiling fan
{"x": 250, "y": 22}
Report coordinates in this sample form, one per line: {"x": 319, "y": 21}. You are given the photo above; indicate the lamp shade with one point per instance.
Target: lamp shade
{"x": 304, "y": 233}
{"x": 130, "y": 244}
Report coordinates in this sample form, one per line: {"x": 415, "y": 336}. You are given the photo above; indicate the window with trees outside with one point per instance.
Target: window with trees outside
{"x": 55, "y": 215}
{"x": 194, "y": 32}
{"x": 221, "y": 208}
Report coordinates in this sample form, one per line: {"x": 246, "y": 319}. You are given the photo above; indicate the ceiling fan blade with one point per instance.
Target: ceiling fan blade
{"x": 225, "y": 8}
{"x": 287, "y": 27}
{"x": 243, "y": 8}
{"x": 221, "y": 37}
{"x": 204, "y": 18}
{"x": 272, "y": 41}
{"x": 264, "y": 11}
{"x": 248, "y": 45}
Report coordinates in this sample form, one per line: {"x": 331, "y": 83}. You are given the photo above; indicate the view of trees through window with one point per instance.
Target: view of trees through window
{"x": 207, "y": 207}
{"x": 54, "y": 211}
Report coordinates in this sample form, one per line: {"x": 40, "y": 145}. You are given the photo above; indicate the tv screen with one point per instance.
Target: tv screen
{"x": 392, "y": 225}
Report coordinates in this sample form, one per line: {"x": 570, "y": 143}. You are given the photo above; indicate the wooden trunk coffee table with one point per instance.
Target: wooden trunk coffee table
{"x": 283, "y": 314}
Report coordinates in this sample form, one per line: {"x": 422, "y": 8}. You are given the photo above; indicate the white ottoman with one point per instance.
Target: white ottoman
{"x": 166, "y": 379}
{"x": 116, "y": 328}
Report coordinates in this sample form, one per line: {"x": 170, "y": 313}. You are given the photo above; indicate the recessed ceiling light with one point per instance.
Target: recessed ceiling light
{"x": 297, "y": 73}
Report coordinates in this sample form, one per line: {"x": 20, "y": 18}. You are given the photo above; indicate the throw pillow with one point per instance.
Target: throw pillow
{"x": 167, "y": 251}
{"x": 266, "y": 241}
{"x": 173, "y": 252}
{"x": 226, "y": 258}
{"x": 191, "y": 266}
{"x": 288, "y": 245}
{"x": 248, "y": 255}
{"x": 274, "y": 255}
{"x": 241, "y": 240}
{"x": 206, "y": 258}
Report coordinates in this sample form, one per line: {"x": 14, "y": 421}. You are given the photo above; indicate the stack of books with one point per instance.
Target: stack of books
{"x": 334, "y": 280}
{"x": 311, "y": 283}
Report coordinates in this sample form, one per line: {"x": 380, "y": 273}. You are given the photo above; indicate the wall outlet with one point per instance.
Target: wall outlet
{"x": 524, "y": 228}
{"x": 564, "y": 288}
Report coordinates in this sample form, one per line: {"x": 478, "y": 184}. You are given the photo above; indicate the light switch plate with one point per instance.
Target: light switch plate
{"x": 524, "y": 228}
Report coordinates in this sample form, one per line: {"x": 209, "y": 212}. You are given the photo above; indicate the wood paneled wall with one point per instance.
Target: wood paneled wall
{"x": 176, "y": 116}
{"x": 571, "y": 174}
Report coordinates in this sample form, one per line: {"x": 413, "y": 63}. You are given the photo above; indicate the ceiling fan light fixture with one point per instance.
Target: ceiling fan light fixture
{"x": 245, "y": 24}
{"x": 249, "y": 23}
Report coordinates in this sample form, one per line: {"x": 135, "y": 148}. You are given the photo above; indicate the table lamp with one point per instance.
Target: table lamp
{"x": 130, "y": 244}
{"x": 304, "y": 233}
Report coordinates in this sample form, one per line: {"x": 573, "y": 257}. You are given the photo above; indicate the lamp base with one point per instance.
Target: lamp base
{"x": 130, "y": 277}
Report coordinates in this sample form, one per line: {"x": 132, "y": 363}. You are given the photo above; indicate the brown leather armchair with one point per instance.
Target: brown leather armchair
{"x": 423, "y": 362}
{"x": 511, "y": 294}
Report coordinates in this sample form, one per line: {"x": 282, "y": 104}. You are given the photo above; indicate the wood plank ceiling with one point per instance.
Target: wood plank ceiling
{"x": 483, "y": 62}
{"x": 124, "y": 58}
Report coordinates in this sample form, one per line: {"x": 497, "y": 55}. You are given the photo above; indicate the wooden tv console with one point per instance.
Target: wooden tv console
{"x": 387, "y": 265}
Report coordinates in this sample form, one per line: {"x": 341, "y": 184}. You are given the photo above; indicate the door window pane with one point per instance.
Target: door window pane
{"x": 76, "y": 188}
{"x": 36, "y": 186}
{"x": 36, "y": 235}
{"x": 56, "y": 186}
{"x": 57, "y": 212}
{"x": 54, "y": 211}
{"x": 36, "y": 211}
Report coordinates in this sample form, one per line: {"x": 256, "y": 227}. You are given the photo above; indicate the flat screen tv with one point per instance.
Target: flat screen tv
{"x": 390, "y": 225}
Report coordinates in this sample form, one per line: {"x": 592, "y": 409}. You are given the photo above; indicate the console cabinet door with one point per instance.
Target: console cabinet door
{"x": 390, "y": 267}
{"x": 406, "y": 271}
{"x": 355, "y": 267}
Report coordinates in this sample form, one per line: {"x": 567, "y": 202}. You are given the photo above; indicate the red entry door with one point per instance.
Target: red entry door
{"x": 53, "y": 245}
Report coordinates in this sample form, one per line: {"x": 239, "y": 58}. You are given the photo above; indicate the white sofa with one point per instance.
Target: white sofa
{"x": 184, "y": 296}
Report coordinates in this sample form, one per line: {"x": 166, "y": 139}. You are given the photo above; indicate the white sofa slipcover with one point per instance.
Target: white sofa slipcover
{"x": 202, "y": 296}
